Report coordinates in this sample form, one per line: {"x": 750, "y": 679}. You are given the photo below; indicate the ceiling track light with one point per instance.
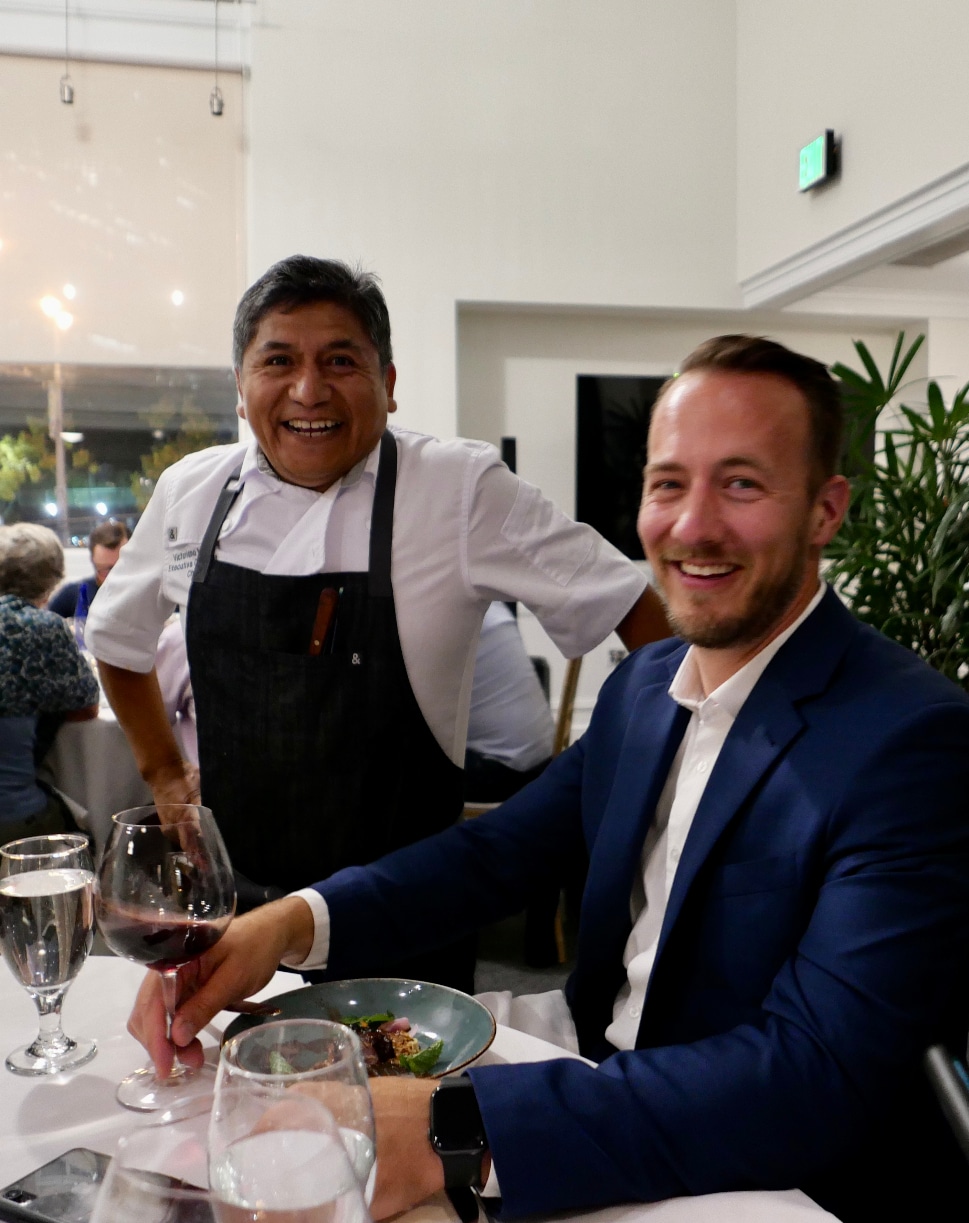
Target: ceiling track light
{"x": 66, "y": 85}
{"x": 216, "y": 101}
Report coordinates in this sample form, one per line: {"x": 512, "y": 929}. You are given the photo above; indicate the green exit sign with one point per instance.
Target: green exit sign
{"x": 819, "y": 161}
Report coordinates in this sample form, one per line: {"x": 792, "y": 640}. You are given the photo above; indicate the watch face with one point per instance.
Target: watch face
{"x": 455, "y": 1118}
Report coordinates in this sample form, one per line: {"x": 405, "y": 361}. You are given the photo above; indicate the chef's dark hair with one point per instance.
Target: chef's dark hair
{"x": 751, "y": 354}
{"x": 301, "y": 280}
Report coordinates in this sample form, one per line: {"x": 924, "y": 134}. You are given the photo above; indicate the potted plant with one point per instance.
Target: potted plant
{"x": 901, "y": 559}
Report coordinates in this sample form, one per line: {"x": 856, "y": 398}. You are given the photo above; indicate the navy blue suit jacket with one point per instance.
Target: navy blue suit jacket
{"x": 814, "y": 944}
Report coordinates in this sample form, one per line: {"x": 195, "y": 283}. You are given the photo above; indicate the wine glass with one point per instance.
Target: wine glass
{"x": 163, "y": 895}
{"x": 46, "y": 927}
{"x": 268, "y": 1061}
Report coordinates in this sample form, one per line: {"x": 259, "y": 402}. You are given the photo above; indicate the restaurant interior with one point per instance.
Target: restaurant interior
{"x": 560, "y": 197}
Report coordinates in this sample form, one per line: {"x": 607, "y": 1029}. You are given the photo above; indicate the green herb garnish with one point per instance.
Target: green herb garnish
{"x": 426, "y": 1060}
{"x": 279, "y": 1065}
{"x": 367, "y": 1021}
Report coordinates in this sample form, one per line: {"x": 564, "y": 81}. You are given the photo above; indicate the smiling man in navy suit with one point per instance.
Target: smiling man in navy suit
{"x": 776, "y": 922}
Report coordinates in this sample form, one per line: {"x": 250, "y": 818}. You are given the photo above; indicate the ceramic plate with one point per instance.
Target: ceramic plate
{"x": 435, "y": 1012}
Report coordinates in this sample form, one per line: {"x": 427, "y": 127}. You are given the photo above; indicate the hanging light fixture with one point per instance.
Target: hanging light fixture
{"x": 67, "y": 87}
{"x": 216, "y": 101}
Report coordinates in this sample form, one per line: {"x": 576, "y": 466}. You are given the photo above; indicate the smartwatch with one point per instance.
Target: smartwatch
{"x": 456, "y": 1132}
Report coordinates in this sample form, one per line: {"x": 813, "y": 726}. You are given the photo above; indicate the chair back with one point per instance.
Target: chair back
{"x": 563, "y": 723}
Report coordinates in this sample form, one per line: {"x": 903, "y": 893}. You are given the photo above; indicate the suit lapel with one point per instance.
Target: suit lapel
{"x": 766, "y": 725}
{"x": 652, "y": 735}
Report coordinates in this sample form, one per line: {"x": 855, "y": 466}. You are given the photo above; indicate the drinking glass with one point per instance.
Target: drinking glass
{"x": 265, "y": 1063}
{"x": 46, "y": 927}
{"x": 159, "y": 1171}
{"x": 163, "y": 895}
{"x": 280, "y": 1159}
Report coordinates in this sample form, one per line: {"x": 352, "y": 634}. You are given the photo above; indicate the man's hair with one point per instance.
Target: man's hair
{"x": 109, "y": 534}
{"x": 31, "y": 561}
{"x": 301, "y": 280}
{"x": 747, "y": 354}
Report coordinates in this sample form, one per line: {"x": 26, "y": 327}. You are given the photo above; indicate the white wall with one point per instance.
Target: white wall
{"x": 888, "y": 76}
{"x": 559, "y": 151}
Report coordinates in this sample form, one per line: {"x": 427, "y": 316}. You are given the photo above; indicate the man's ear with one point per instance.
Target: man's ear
{"x": 240, "y": 405}
{"x": 830, "y": 507}
{"x": 390, "y": 381}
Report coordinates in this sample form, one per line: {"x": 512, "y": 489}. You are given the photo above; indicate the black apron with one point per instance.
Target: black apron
{"x": 313, "y": 751}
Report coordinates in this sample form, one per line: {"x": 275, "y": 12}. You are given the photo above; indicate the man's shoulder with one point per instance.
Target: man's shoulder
{"x": 416, "y": 447}
{"x": 211, "y": 460}
{"x": 64, "y": 601}
{"x": 835, "y": 652}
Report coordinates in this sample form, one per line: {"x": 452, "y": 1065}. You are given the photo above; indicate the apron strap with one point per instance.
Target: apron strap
{"x": 382, "y": 521}
{"x": 230, "y": 490}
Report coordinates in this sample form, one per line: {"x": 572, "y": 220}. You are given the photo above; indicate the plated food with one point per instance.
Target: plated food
{"x": 448, "y": 1028}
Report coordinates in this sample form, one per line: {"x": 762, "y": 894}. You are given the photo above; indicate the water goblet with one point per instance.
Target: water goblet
{"x": 164, "y": 894}
{"x": 280, "y": 1159}
{"x": 285, "y": 1057}
{"x": 46, "y": 928}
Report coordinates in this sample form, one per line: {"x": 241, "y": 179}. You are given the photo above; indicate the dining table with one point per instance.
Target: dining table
{"x": 41, "y": 1118}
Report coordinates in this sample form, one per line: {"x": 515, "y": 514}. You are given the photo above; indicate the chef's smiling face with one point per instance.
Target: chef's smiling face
{"x": 313, "y": 392}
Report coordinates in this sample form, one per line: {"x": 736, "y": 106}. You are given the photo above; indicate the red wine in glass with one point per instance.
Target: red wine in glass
{"x": 164, "y": 894}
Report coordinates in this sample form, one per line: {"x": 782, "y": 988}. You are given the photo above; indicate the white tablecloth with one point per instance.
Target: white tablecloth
{"x": 42, "y": 1118}
{"x": 92, "y": 764}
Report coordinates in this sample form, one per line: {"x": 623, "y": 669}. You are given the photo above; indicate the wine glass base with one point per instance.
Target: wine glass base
{"x": 34, "y": 1060}
{"x": 142, "y": 1092}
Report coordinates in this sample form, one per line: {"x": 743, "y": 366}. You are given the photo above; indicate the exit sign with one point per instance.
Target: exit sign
{"x": 819, "y": 161}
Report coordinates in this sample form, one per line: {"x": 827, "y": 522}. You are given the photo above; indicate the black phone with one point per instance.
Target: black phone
{"x": 60, "y": 1191}
{"x": 64, "y": 1191}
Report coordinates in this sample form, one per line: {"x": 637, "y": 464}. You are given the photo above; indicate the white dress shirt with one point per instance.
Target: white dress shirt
{"x": 466, "y": 532}
{"x": 510, "y": 719}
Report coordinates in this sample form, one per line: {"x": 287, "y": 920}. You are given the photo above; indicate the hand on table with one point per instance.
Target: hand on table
{"x": 239, "y": 964}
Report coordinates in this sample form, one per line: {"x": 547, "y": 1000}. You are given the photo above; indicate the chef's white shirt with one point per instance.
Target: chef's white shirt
{"x": 466, "y": 532}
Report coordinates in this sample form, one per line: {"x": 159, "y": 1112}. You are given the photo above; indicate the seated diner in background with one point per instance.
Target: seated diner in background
{"x": 43, "y": 679}
{"x": 333, "y": 574}
{"x": 510, "y": 727}
{"x": 105, "y": 543}
{"x": 776, "y": 919}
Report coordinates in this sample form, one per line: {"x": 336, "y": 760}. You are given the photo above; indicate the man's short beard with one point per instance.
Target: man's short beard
{"x": 768, "y": 604}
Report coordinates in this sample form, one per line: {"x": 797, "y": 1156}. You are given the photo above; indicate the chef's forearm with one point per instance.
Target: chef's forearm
{"x": 137, "y": 702}
{"x": 644, "y": 622}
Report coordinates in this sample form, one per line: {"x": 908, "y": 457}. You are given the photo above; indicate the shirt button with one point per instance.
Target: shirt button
{"x": 634, "y": 1012}
{"x": 674, "y": 856}
{"x": 702, "y": 767}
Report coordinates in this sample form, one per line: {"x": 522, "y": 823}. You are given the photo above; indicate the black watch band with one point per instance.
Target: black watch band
{"x": 456, "y": 1132}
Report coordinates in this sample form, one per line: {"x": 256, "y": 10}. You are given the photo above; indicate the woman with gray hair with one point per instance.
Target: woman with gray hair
{"x": 41, "y": 673}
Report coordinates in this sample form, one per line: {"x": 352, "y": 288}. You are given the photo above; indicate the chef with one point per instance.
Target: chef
{"x": 334, "y": 574}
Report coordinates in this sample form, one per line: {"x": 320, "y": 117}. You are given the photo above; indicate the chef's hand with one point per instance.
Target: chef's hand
{"x": 408, "y": 1169}
{"x": 175, "y": 782}
{"x": 239, "y": 964}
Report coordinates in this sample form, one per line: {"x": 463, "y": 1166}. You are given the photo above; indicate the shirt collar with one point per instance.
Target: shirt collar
{"x": 687, "y": 690}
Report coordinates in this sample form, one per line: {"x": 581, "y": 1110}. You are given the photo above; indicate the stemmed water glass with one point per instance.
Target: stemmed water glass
{"x": 288, "y": 1166}
{"x": 280, "y": 1060}
{"x": 164, "y": 894}
{"x": 46, "y": 927}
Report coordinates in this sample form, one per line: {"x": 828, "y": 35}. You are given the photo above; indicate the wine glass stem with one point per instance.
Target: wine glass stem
{"x": 50, "y": 1036}
{"x": 169, "y": 985}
